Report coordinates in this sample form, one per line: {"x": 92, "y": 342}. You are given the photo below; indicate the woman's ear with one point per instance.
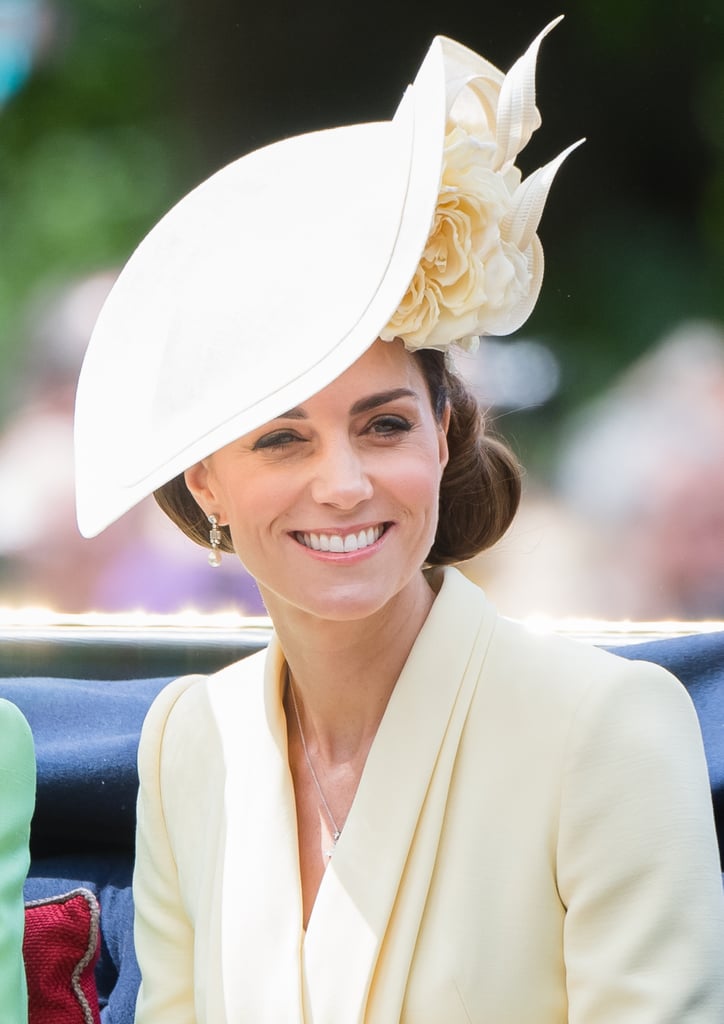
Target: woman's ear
{"x": 198, "y": 480}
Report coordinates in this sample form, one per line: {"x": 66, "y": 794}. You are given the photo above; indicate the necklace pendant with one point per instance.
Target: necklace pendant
{"x": 335, "y": 836}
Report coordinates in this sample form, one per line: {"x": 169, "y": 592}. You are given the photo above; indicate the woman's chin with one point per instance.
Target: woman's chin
{"x": 341, "y": 602}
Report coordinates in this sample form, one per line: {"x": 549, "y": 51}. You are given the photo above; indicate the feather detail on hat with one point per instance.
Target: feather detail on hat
{"x": 482, "y": 267}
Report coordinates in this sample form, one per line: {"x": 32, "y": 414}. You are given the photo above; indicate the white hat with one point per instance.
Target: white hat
{"x": 272, "y": 277}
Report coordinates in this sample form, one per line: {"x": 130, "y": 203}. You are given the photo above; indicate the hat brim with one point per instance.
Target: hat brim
{"x": 253, "y": 293}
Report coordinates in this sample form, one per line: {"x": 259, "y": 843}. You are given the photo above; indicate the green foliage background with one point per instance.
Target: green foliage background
{"x": 134, "y": 103}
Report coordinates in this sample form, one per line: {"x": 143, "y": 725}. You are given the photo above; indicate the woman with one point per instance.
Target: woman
{"x": 17, "y": 801}
{"x": 407, "y": 808}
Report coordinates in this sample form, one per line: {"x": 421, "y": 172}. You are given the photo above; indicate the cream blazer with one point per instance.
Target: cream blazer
{"x": 532, "y": 842}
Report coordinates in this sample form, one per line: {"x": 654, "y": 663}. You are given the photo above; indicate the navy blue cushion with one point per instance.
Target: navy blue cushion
{"x": 86, "y": 740}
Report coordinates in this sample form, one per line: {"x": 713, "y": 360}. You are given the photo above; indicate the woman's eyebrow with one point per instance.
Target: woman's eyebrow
{"x": 361, "y": 405}
{"x": 381, "y": 398}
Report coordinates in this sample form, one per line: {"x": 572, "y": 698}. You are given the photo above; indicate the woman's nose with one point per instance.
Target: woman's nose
{"x": 340, "y": 478}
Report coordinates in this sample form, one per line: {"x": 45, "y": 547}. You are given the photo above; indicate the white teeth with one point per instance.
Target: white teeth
{"x": 334, "y": 542}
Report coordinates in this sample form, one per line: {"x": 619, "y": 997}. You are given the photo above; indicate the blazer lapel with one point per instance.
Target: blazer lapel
{"x": 362, "y": 932}
{"x": 259, "y": 892}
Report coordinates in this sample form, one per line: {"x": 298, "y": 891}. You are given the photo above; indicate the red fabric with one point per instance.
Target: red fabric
{"x": 60, "y": 948}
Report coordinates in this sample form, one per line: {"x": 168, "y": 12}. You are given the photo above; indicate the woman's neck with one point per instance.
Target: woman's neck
{"x": 344, "y": 672}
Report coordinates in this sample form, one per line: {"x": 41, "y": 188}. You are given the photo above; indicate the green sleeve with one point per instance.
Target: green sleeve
{"x": 17, "y": 800}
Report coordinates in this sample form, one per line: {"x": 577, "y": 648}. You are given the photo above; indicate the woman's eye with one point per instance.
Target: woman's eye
{"x": 277, "y": 439}
{"x": 387, "y": 425}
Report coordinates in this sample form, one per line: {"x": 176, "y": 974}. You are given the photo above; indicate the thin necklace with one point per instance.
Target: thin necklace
{"x": 336, "y": 832}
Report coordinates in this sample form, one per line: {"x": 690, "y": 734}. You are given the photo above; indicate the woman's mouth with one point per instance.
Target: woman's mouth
{"x": 341, "y": 543}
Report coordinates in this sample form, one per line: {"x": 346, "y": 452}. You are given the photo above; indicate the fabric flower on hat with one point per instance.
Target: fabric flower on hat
{"x": 482, "y": 267}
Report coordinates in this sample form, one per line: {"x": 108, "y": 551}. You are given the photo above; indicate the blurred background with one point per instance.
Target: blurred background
{"x": 612, "y": 394}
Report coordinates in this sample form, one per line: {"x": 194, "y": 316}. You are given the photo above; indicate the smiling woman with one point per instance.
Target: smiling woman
{"x": 406, "y": 808}
{"x": 479, "y": 490}
{"x": 364, "y": 453}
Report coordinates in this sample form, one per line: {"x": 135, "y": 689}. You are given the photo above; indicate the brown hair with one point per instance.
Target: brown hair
{"x": 481, "y": 484}
{"x": 479, "y": 492}
{"x": 180, "y": 506}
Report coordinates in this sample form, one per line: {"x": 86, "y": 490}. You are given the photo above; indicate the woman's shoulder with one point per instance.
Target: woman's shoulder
{"x": 535, "y": 660}
{"x": 571, "y": 679}
{"x": 185, "y": 704}
{"x": 571, "y": 659}
{"x": 522, "y": 665}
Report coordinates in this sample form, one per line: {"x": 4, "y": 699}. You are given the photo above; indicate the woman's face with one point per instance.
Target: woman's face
{"x": 332, "y": 506}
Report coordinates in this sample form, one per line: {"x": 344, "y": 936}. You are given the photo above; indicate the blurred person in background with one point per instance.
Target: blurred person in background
{"x": 549, "y": 563}
{"x": 631, "y": 526}
{"x": 643, "y": 466}
{"x": 546, "y": 564}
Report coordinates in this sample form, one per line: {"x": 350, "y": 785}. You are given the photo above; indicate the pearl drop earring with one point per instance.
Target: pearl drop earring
{"x": 215, "y": 542}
